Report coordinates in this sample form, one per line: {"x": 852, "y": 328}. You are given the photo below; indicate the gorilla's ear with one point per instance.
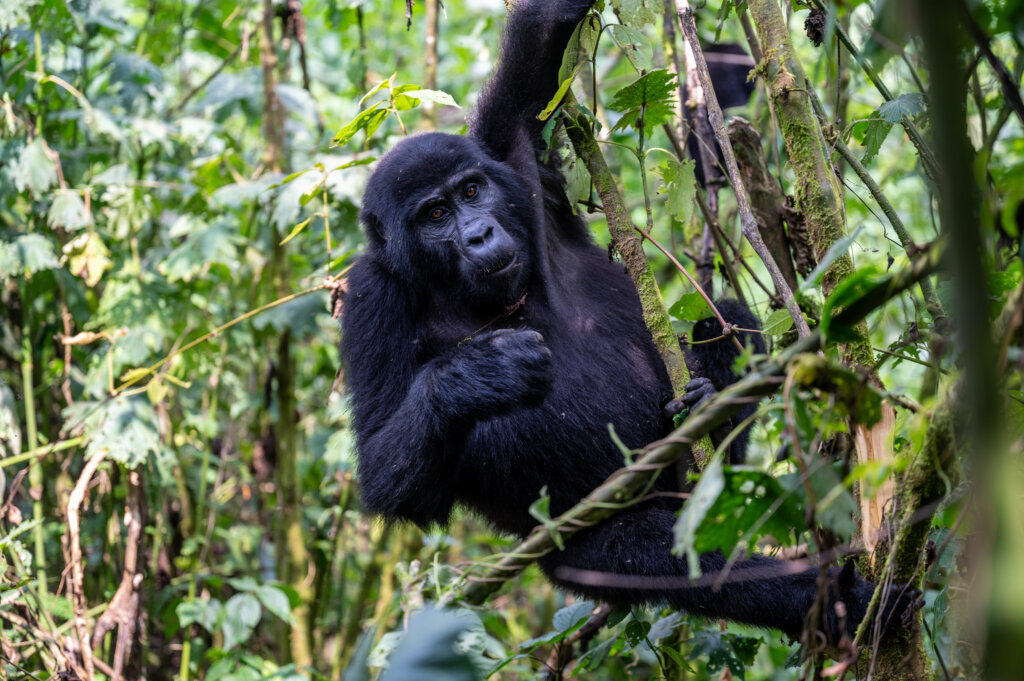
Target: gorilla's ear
{"x": 374, "y": 229}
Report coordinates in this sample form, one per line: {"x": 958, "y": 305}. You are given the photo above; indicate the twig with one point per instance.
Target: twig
{"x": 1011, "y": 91}
{"x": 75, "y": 500}
{"x": 123, "y": 610}
{"x": 931, "y": 299}
{"x": 747, "y": 221}
{"x": 139, "y": 374}
{"x": 697, "y": 287}
{"x": 928, "y": 160}
{"x": 246, "y": 36}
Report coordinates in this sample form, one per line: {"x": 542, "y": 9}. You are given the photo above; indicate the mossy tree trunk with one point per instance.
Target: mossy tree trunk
{"x": 292, "y": 555}
{"x": 819, "y": 197}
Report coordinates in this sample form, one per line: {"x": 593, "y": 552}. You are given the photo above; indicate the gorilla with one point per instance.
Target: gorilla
{"x": 489, "y": 343}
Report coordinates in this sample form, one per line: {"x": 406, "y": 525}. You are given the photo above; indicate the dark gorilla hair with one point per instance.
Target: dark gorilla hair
{"x": 490, "y": 344}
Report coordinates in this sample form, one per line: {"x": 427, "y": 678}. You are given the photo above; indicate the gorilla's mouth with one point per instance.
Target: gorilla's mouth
{"x": 502, "y": 268}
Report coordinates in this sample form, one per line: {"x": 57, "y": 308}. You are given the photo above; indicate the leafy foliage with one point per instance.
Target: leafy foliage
{"x": 177, "y": 193}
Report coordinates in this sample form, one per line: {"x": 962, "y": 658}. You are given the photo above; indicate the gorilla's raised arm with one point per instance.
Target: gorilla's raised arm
{"x": 535, "y": 37}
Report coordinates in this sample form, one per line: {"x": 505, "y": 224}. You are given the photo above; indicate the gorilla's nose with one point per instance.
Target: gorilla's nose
{"x": 478, "y": 238}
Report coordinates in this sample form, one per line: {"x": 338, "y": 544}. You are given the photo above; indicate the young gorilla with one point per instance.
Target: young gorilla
{"x": 489, "y": 343}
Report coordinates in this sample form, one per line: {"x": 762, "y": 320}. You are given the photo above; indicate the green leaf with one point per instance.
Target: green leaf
{"x": 570, "y": 616}
{"x": 651, "y": 96}
{"x": 275, "y": 601}
{"x": 242, "y": 614}
{"x": 381, "y": 85}
{"x": 68, "y": 212}
{"x": 636, "y": 634}
{"x": 34, "y": 170}
{"x": 690, "y": 307}
{"x": 367, "y": 120}
{"x": 634, "y": 45}
{"x": 665, "y": 626}
{"x": 854, "y": 287}
{"x": 205, "y": 246}
{"x": 835, "y": 251}
{"x": 702, "y": 499}
{"x": 208, "y": 614}
{"x": 724, "y": 650}
{"x": 435, "y": 96}
{"x": 836, "y": 508}
{"x": 289, "y": 178}
{"x": 297, "y": 229}
{"x": 358, "y": 668}
{"x": 427, "y": 650}
{"x": 540, "y": 510}
{"x": 637, "y": 13}
{"x": 87, "y": 257}
{"x": 566, "y": 621}
{"x": 595, "y": 657}
{"x": 246, "y": 608}
{"x": 13, "y": 14}
{"x": 752, "y": 505}
{"x": 778, "y": 322}
{"x": 680, "y": 185}
{"x": 125, "y": 427}
{"x": 559, "y": 94}
{"x": 26, "y": 255}
{"x": 905, "y": 105}
{"x": 872, "y": 134}
{"x": 806, "y": 432}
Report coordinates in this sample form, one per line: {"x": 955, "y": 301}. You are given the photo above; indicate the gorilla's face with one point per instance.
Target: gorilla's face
{"x": 460, "y": 222}
{"x": 443, "y": 215}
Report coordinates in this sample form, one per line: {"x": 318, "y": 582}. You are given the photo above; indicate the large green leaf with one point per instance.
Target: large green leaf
{"x": 26, "y": 255}
{"x": 649, "y": 100}
{"x": 428, "y": 649}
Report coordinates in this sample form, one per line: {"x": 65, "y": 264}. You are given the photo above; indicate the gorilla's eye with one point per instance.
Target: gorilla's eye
{"x": 470, "y": 191}
{"x": 436, "y": 213}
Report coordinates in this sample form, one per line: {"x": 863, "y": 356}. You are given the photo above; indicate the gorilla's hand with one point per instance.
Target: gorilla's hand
{"x": 497, "y": 371}
{"x": 698, "y": 391}
{"x": 855, "y": 592}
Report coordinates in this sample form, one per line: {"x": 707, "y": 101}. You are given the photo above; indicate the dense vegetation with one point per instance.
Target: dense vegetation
{"x": 179, "y": 185}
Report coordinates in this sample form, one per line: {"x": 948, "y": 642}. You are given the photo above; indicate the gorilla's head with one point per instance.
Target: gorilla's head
{"x": 441, "y": 212}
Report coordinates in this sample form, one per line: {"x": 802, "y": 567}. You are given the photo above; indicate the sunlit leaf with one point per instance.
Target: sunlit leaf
{"x": 34, "y": 170}
{"x": 26, "y": 255}
{"x": 88, "y": 257}
{"x": 650, "y": 99}
{"x": 68, "y": 212}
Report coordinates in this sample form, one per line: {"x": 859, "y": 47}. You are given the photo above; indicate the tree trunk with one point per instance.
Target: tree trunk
{"x": 819, "y": 198}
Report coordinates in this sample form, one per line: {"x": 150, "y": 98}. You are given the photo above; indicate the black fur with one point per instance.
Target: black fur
{"x": 488, "y": 347}
{"x": 711, "y": 358}
{"x": 729, "y": 66}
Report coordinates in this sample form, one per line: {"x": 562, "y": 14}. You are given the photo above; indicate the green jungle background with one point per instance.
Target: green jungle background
{"x": 179, "y": 186}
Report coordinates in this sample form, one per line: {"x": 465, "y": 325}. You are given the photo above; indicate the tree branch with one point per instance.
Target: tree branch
{"x": 621, "y": 488}
{"x": 747, "y": 221}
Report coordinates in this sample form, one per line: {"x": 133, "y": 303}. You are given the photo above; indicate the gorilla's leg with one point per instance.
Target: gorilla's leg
{"x": 628, "y": 560}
